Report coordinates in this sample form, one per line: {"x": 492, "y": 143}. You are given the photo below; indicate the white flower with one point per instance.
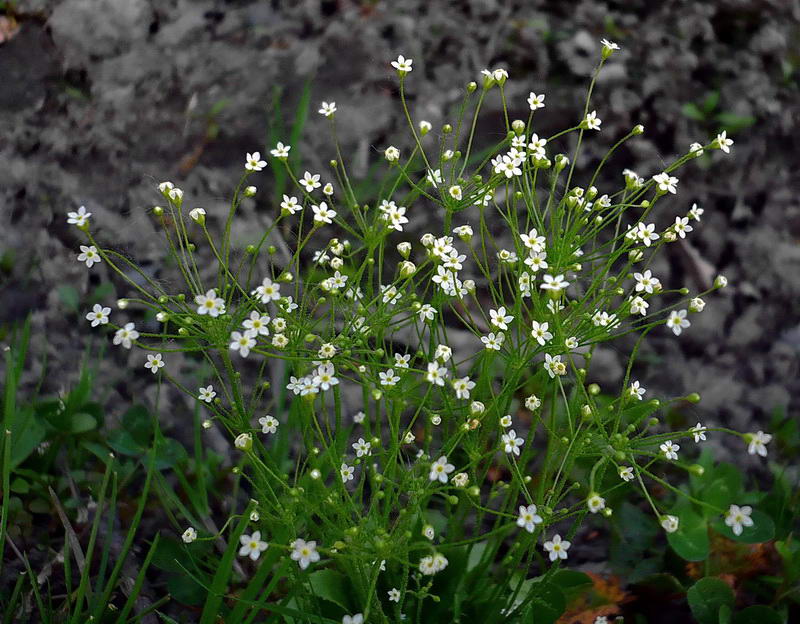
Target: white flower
{"x": 626, "y": 473}
{"x": 554, "y": 283}
{"x": 670, "y": 450}
{"x": 425, "y": 127}
{"x": 557, "y": 548}
{"x": 739, "y": 517}
{"x": 758, "y": 443}
{"x": 591, "y": 121}
{"x": 267, "y": 291}
{"x": 695, "y": 212}
{"x": 310, "y": 182}
{"x": 436, "y": 374}
{"x": 154, "y": 362}
{"x": 666, "y": 183}
{"x": 78, "y": 218}
{"x": 699, "y": 432}
{"x": 677, "y": 321}
{"x": 362, "y": 447}
{"x": 528, "y": 518}
{"x": 254, "y": 162}
{"x": 242, "y": 343}
{"x": 539, "y": 332}
{"x": 281, "y": 150}
{"x": 327, "y": 109}
{"x": 189, "y": 535}
{"x": 427, "y": 311}
{"x": 609, "y": 46}
{"x": 695, "y": 149}
{"x": 493, "y": 341}
{"x": 533, "y": 402}
{"x": 358, "y": 417}
{"x": 499, "y": 318}
{"x": 126, "y": 335}
{"x": 257, "y": 324}
{"x": 252, "y": 546}
{"x": 535, "y": 101}
{"x": 243, "y": 442}
{"x": 391, "y": 153}
{"x": 571, "y": 343}
{"x": 402, "y": 360}
{"x": 723, "y": 142}
{"x": 323, "y": 214}
{"x": 198, "y": 215}
{"x": 511, "y": 442}
{"x": 358, "y": 618}
{"x": 99, "y": 315}
{"x": 554, "y": 366}
{"x": 210, "y": 304}
{"x": 463, "y": 387}
{"x": 637, "y": 390}
{"x": 646, "y": 282}
{"x": 440, "y": 469}
{"x": 682, "y": 226}
{"x": 505, "y": 421}
{"x": 402, "y": 64}
{"x": 595, "y": 502}
{"x": 394, "y": 594}
{"x": 304, "y": 552}
{"x": 639, "y": 305}
{"x": 269, "y": 424}
{"x": 290, "y": 205}
{"x": 432, "y": 564}
{"x": 206, "y": 394}
{"x": 89, "y": 255}
{"x": 646, "y": 233}
{"x": 324, "y": 377}
{"x": 435, "y": 177}
{"x": 670, "y": 523}
{"x": 455, "y": 192}
{"x": 346, "y": 472}
{"x": 696, "y": 305}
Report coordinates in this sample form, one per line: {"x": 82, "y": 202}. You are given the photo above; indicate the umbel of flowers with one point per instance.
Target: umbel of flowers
{"x": 528, "y": 266}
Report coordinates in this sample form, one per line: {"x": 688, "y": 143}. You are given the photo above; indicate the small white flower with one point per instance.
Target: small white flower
{"x": 528, "y": 518}
{"x": 670, "y": 450}
{"x": 362, "y": 447}
{"x": 99, "y": 315}
{"x": 626, "y": 473}
{"x": 463, "y": 387}
{"x": 699, "y": 432}
{"x": 391, "y": 153}
{"x": 535, "y": 101}
{"x": 436, "y": 374}
{"x": 493, "y": 341}
{"x": 79, "y": 218}
{"x": 254, "y": 162}
{"x": 455, "y": 192}
{"x": 126, "y": 335}
{"x": 252, "y": 546}
{"x": 697, "y": 305}
{"x": 723, "y": 142}
{"x": 154, "y": 362}
{"x": 533, "y": 402}
{"x": 511, "y": 442}
{"x": 539, "y": 332}
{"x": 323, "y": 214}
{"x": 210, "y": 304}
{"x": 609, "y": 46}
{"x": 636, "y": 390}
{"x": 358, "y": 618}
{"x": 89, "y": 255}
{"x": 499, "y": 319}
{"x": 669, "y": 523}
{"x": 189, "y": 535}
{"x": 269, "y": 424}
{"x": 347, "y": 473}
{"x": 242, "y": 343}
{"x": 257, "y": 324}
{"x": 310, "y": 182}
{"x": 554, "y": 366}
{"x": 394, "y": 594}
{"x": 553, "y": 283}
{"x": 206, "y": 394}
{"x": 695, "y": 212}
{"x": 591, "y": 121}
{"x": 758, "y": 443}
{"x": 557, "y": 548}
{"x": 682, "y": 226}
{"x": 327, "y": 109}
{"x": 677, "y": 321}
{"x": 666, "y": 183}
{"x": 304, "y": 552}
{"x": 595, "y": 502}
{"x": 440, "y": 469}
{"x": 402, "y": 64}
{"x": 281, "y": 151}
{"x": 739, "y": 517}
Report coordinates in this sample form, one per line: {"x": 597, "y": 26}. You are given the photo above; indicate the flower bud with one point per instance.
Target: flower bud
{"x": 518, "y": 125}
{"x": 250, "y": 191}
{"x": 472, "y": 86}
{"x": 158, "y": 211}
{"x": 243, "y": 442}
{"x": 407, "y": 269}
{"x": 637, "y": 129}
{"x": 198, "y": 215}
{"x": 447, "y": 128}
{"x": 720, "y": 281}
{"x": 696, "y": 305}
{"x": 424, "y": 127}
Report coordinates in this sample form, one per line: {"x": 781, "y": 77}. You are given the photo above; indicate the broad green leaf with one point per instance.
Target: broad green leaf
{"x": 546, "y": 602}
{"x": 706, "y": 597}
{"x": 690, "y": 541}
{"x": 26, "y": 435}
{"x": 139, "y": 424}
{"x": 331, "y": 586}
{"x": 692, "y": 111}
{"x": 757, "y": 614}
{"x": 82, "y": 422}
{"x": 763, "y": 529}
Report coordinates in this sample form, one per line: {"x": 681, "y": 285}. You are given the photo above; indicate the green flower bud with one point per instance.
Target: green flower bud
{"x": 471, "y": 87}
{"x": 447, "y": 129}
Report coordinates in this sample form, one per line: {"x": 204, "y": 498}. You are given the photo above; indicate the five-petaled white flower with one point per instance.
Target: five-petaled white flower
{"x": 402, "y": 64}
{"x": 557, "y": 548}
{"x": 670, "y": 449}
{"x": 257, "y": 324}
{"x": 528, "y": 518}
{"x": 346, "y": 472}
{"x": 553, "y": 283}
{"x": 436, "y": 374}
{"x": 463, "y": 387}
{"x": 254, "y": 162}
{"x": 206, "y": 394}
{"x": 757, "y": 443}
{"x": 493, "y": 341}
{"x": 595, "y": 502}
{"x": 511, "y": 442}
{"x": 699, "y": 432}
{"x": 394, "y": 594}
{"x": 154, "y": 362}
{"x": 310, "y": 181}
{"x": 267, "y": 291}
{"x": 554, "y": 366}
{"x": 327, "y": 109}
{"x": 323, "y": 214}
{"x": 646, "y": 282}
{"x": 636, "y": 390}
{"x": 79, "y": 218}
{"x": 592, "y": 122}
{"x": 281, "y": 151}
{"x": 539, "y": 332}
{"x": 682, "y": 226}
{"x": 666, "y": 183}
{"x": 89, "y": 255}
{"x": 739, "y": 517}
{"x": 723, "y": 142}
{"x": 440, "y": 469}
{"x": 290, "y": 204}
{"x": 609, "y": 46}
{"x": 252, "y": 546}
{"x": 126, "y": 335}
{"x": 670, "y": 523}
{"x": 362, "y": 447}
{"x": 499, "y": 318}
{"x": 388, "y": 378}
{"x": 189, "y": 535}
{"x": 242, "y": 343}
{"x": 626, "y": 473}
{"x": 677, "y": 321}
{"x": 99, "y": 315}
{"x": 535, "y": 101}
{"x": 304, "y": 552}
{"x": 210, "y": 304}
{"x": 269, "y": 424}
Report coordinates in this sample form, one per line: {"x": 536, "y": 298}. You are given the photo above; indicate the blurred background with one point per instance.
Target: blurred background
{"x": 102, "y": 99}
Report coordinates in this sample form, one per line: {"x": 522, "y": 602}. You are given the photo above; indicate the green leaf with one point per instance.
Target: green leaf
{"x": 331, "y": 586}
{"x": 26, "y": 435}
{"x": 546, "y": 601}
{"x": 763, "y": 529}
{"x": 20, "y": 486}
{"x": 139, "y": 424}
{"x": 170, "y": 453}
{"x": 661, "y": 584}
{"x": 690, "y": 541}
{"x": 734, "y": 123}
{"x": 69, "y": 297}
{"x": 691, "y": 111}
{"x": 82, "y": 422}
{"x": 710, "y": 102}
{"x": 706, "y": 597}
{"x": 757, "y": 614}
